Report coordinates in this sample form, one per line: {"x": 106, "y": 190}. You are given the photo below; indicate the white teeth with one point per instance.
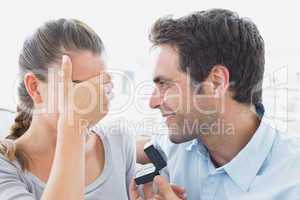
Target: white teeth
{"x": 108, "y": 90}
{"x": 110, "y": 95}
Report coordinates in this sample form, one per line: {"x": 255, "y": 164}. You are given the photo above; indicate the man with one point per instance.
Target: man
{"x": 208, "y": 80}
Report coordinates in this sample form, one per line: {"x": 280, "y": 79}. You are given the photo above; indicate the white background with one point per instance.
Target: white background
{"x": 124, "y": 28}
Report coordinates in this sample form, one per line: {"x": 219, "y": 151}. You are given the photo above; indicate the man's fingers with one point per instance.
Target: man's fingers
{"x": 165, "y": 189}
{"x": 148, "y": 190}
{"x": 158, "y": 197}
{"x": 182, "y": 196}
{"x": 178, "y": 189}
{"x": 133, "y": 191}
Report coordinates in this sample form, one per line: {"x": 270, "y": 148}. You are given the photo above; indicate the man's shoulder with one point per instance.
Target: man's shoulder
{"x": 287, "y": 143}
{"x": 284, "y": 139}
{"x": 284, "y": 143}
{"x": 285, "y": 153}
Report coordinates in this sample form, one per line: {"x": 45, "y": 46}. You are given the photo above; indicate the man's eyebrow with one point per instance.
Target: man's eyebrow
{"x": 158, "y": 79}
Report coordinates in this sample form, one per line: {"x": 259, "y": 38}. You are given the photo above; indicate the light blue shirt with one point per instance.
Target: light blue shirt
{"x": 268, "y": 167}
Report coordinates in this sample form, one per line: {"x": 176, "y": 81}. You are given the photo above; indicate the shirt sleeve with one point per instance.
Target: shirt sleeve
{"x": 12, "y": 187}
{"x": 161, "y": 143}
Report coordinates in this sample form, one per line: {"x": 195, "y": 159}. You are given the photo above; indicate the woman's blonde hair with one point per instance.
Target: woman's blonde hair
{"x": 45, "y": 47}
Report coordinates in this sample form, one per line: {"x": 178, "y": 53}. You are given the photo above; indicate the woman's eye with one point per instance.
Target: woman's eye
{"x": 163, "y": 84}
{"x": 76, "y": 81}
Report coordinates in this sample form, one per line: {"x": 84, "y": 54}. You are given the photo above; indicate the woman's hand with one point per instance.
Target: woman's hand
{"x": 165, "y": 191}
{"x": 82, "y": 104}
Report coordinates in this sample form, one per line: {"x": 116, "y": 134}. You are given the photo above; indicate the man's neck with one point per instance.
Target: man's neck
{"x": 223, "y": 146}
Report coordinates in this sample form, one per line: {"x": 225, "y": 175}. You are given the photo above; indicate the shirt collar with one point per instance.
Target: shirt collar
{"x": 243, "y": 168}
{"x": 197, "y": 145}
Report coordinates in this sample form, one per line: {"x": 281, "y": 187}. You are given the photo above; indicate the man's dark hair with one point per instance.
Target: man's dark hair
{"x": 218, "y": 36}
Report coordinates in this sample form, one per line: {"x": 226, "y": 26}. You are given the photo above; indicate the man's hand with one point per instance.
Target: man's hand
{"x": 165, "y": 191}
{"x": 141, "y": 156}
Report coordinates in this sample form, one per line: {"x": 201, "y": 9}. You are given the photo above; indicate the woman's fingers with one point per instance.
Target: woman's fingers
{"x": 67, "y": 72}
{"x": 66, "y": 67}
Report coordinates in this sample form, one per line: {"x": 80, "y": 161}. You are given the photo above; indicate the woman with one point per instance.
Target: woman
{"x": 52, "y": 152}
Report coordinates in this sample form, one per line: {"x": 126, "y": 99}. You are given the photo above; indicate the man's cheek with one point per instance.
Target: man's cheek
{"x": 173, "y": 100}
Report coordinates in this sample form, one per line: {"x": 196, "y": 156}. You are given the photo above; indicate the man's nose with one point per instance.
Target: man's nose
{"x": 156, "y": 99}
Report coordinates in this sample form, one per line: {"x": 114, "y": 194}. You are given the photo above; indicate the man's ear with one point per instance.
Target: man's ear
{"x": 219, "y": 76}
{"x": 31, "y": 83}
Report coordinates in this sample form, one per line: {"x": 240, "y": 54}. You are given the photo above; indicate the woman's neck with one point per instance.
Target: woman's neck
{"x": 39, "y": 139}
{"x": 39, "y": 143}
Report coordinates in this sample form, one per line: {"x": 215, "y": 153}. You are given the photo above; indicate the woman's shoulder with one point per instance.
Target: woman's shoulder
{"x": 9, "y": 168}
{"x": 117, "y": 136}
{"x": 120, "y": 142}
{"x": 114, "y": 131}
{"x": 12, "y": 178}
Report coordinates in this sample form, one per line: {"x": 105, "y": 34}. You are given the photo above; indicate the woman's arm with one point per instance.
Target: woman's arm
{"x": 67, "y": 176}
{"x": 66, "y": 180}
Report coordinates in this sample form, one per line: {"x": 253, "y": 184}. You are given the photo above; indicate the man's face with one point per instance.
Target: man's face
{"x": 179, "y": 102}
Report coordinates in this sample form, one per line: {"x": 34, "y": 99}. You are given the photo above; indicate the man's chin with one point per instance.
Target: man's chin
{"x": 178, "y": 138}
{"x": 177, "y": 135}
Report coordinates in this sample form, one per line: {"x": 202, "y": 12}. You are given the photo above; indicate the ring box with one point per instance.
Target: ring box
{"x": 151, "y": 170}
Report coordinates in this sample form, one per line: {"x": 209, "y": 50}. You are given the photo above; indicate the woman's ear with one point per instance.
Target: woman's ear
{"x": 32, "y": 86}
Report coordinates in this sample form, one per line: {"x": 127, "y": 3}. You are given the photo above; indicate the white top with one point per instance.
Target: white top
{"x": 112, "y": 184}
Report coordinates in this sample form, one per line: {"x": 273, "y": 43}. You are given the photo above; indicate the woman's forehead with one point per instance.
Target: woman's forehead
{"x": 86, "y": 65}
